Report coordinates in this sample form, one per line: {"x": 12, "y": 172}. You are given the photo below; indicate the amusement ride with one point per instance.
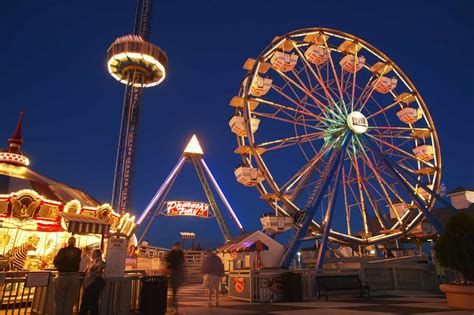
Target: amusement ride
{"x": 193, "y": 153}
{"x": 138, "y": 64}
{"x": 327, "y": 125}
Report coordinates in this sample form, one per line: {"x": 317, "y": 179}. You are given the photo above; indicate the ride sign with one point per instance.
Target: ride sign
{"x": 187, "y": 208}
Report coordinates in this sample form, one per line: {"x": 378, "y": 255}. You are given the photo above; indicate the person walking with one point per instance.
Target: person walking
{"x": 94, "y": 283}
{"x": 175, "y": 265}
{"x": 212, "y": 270}
{"x": 67, "y": 282}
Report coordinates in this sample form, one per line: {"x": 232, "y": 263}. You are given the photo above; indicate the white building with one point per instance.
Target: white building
{"x": 254, "y": 250}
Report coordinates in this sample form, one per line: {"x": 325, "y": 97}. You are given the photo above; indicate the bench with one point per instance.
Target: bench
{"x": 340, "y": 282}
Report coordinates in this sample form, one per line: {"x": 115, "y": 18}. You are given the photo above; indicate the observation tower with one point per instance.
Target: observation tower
{"x": 138, "y": 64}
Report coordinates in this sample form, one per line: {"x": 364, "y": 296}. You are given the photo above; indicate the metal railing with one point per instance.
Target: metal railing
{"x": 263, "y": 285}
{"x": 380, "y": 278}
{"x": 19, "y": 296}
{"x": 267, "y": 286}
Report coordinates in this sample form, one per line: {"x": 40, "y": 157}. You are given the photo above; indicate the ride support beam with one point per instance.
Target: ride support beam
{"x": 426, "y": 188}
{"x": 210, "y": 196}
{"x": 158, "y": 208}
{"x": 393, "y": 171}
{"x": 160, "y": 191}
{"x": 222, "y": 196}
{"x": 330, "y": 214}
{"x": 313, "y": 203}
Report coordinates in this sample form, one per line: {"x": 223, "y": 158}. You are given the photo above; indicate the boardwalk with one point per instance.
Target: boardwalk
{"x": 193, "y": 301}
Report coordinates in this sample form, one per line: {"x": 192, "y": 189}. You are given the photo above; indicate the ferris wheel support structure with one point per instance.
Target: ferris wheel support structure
{"x": 314, "y": 201}
{"x": 420, "y": 204}
{"x": 307, "y": 90}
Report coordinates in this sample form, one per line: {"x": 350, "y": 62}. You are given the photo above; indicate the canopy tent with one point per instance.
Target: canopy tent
{"x": 252, "y": 250}
{"x": 84, "y": 224}
{"x": 244, "y": 246}
{"x": 15, "y": 178}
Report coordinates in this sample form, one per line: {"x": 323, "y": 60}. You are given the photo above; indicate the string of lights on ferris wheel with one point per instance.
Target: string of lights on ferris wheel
{"x": 318, "y": 102}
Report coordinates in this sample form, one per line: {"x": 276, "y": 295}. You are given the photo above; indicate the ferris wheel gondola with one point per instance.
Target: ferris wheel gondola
{"x": 320, "y": 96}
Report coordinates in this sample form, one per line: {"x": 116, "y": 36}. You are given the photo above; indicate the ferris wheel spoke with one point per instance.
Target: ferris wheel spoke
{"x": 302, "y": 84}
{"x": 354, "y": 82}
{"x": 334, "y": 70}
{"x": 361, "y": 194}
{"x": 306, "y": 132}
{"x": 346, "y": 204}
{"x": 289, "y": 121}
{"x": 400, "y": 150}
{"x": 308, "y": 77}
{"x": 299, "y": 177}
{"x": 303, "y": 89}
{"x": 401, "y": 128}
{"x": 365, "y": 98}
{"x": 288, "y": 108}
{"x": 298, "y": 104}
{"x": 355, "y": 198}
{"x": 374, "y": 84}
{"x": 407, "y": 182}
{"x": 380, "y": 181}
{"x": 318, "y": 77}
{"x": 384, "y": 109}
{"x": 392, "y": 134}
{"x": 286, "y": 142}
{"x": 373, "y": 203}
{"x": 394, "y": 191}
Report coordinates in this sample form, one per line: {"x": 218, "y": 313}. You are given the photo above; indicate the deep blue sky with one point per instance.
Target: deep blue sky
{"x": 53, "y": 67}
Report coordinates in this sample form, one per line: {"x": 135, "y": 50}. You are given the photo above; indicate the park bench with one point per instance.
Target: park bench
{"x": 339, "y": 283}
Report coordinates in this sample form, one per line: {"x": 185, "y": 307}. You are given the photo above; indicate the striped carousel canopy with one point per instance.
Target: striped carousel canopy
{"x": 247, "y": 242}
{"x": 16, "y": 177}
{"x": 84, "y": 224}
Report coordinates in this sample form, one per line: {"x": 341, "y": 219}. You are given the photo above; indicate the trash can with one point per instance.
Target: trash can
{"x": 153, "y": 295}
{"x": 292, "y": 287}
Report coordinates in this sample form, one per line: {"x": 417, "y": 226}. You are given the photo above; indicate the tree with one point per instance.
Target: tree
{"x": 455, "y": 247}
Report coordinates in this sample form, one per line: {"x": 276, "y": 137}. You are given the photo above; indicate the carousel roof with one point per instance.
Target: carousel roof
{"x": 15, "y": 175}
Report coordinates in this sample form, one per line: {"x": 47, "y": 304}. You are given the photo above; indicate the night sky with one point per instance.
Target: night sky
{"x": 53, "y": 68}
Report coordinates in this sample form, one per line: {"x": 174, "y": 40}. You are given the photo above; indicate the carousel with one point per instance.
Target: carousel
{"x": 38, "y": 214}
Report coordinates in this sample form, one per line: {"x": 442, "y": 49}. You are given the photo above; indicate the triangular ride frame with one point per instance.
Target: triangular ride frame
{"x": 193, "y": 153}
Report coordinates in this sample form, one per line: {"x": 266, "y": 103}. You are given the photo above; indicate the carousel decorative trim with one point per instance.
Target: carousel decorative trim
{"x": 14, "y": 158}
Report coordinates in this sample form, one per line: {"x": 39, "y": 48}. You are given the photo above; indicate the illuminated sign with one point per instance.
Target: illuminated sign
{"x": 239, "y": 284}
{"x": 239, "y": 287}
{"x": 357, "y": 122}
{"x": 187, "y": 208}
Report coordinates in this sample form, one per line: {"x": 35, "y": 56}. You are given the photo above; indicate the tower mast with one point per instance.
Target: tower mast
{"x": 138, "y": 64}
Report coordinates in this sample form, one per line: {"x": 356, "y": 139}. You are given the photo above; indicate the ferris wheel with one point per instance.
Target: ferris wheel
{"x": 328, "y": 126}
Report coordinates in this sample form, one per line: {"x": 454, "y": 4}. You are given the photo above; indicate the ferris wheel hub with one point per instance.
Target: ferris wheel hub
{"x": 357, "y": 122}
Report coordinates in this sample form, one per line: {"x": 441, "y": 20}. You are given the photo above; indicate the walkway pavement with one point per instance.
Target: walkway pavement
{"x": 193, "y": 300}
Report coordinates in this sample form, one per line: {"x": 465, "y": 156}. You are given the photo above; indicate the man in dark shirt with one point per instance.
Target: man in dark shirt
{"x": 67, "y": 283}
{"x": 175, "y": 265}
